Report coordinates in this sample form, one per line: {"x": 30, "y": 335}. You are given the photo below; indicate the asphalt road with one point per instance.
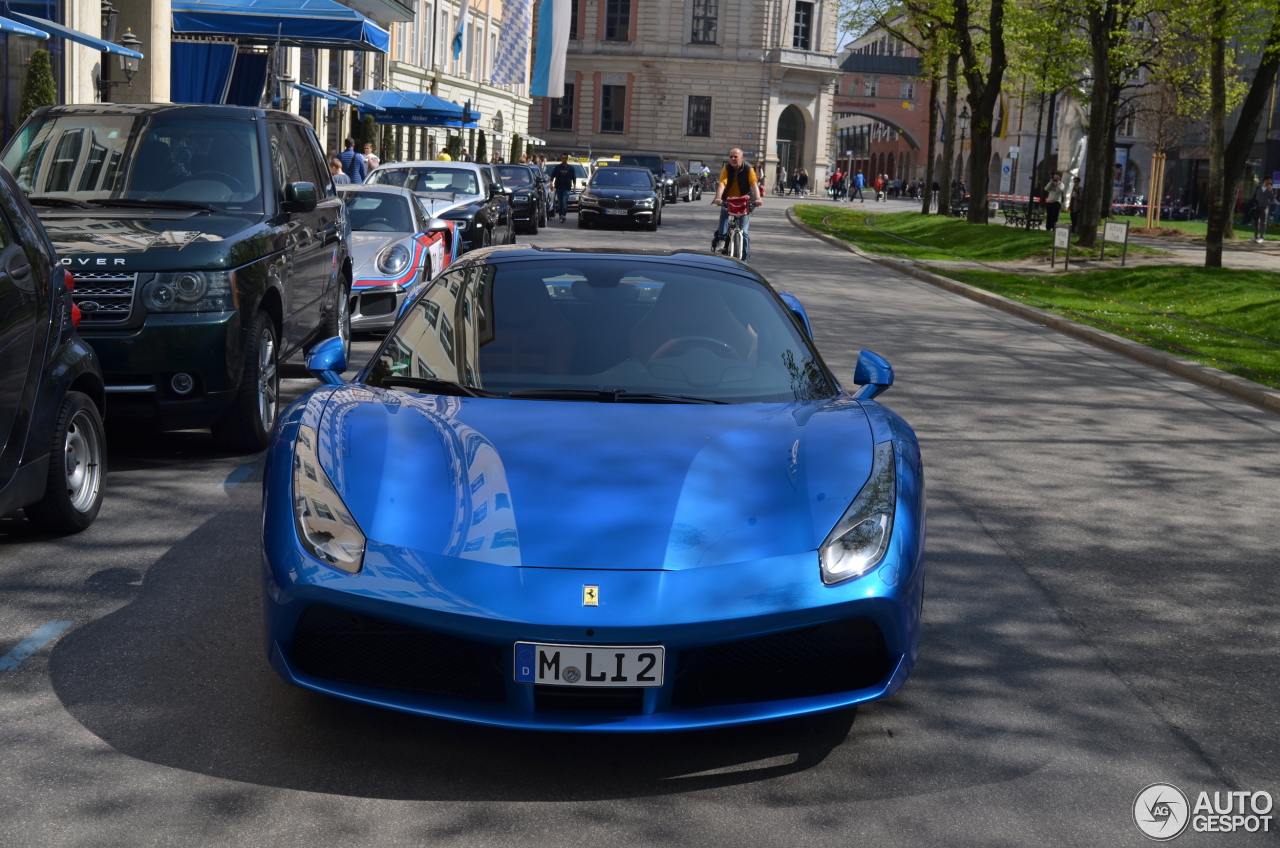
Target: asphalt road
{"x": 1100, "y": 615}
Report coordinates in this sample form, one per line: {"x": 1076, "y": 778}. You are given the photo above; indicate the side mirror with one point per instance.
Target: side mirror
{"x": 494, "y": 190}
{"x": 438, "y": 225}
{"x": 327, "y": 361}
{"x": 873, "y": 373}
{"x": 793, "y": 303}
{"x": 299, "y": 197}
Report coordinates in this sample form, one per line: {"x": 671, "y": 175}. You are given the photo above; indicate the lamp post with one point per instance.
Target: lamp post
{"x": 285, "y": 83}
{"x": 127, "y": 64}
{"x": 964, "y": 128}
{"x": 109, "y": 16}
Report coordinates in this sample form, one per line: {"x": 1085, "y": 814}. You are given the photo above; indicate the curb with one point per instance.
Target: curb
{"x": 1204, "y": 375}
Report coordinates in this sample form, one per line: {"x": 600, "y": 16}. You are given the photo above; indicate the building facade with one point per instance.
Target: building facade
{"x": 881, "y": 109}
{"x": 692, "y": 79}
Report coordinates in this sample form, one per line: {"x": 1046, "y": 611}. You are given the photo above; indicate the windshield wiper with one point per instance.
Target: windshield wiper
{"x": 138, "y": 203}
{"x": 434, "y": 387}
{"x": 59, "y": 201}
{"x": 607, "y": 396}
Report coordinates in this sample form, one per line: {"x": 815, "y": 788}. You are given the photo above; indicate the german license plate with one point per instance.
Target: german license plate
{"x": 588, "y": 665}
{"x": 615, "y": 211}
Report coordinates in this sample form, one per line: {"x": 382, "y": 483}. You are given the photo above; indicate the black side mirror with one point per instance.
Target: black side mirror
{"x": 299, "y": 197}
{"x": 13, "y": 261}
{"x": 494, "y": 190}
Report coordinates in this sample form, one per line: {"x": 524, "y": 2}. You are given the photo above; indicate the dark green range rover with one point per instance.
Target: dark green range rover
{"x": 207, "y": 244}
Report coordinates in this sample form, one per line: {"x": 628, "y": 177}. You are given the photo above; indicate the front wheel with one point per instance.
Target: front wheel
{"x": 338, "y": 320}
{"x": 246, "y": 425}
{"x": 735, "y": 243}
{"x": 77, "y": 465}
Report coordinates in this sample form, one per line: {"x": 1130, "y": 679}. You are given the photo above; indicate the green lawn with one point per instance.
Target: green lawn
{"x": 932, "y": 236}
{"x": 1220, "y": 317}
{"x": 1200, "y": 228}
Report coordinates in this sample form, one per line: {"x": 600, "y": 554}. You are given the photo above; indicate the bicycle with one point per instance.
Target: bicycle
{"x": 735, "y": 240}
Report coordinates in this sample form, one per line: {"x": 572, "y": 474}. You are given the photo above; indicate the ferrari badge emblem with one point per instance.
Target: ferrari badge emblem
{"x": 591, "y": 596}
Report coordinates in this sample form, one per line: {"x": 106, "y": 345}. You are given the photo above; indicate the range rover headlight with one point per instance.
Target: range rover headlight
{"x": 394, "y": 259}
{"x": 325, "y": 526}
{"x": 190, "y": 291}
{"x": 859, "y": 540}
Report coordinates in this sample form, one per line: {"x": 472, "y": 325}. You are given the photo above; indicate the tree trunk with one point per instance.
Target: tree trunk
{"x": 1097, "y": 178}
{"x": 949, "y": 136}
{"x": 1218, "y": 208}
{"x": 932, "y": 149}
{"x": 984, "y": 76}
{"x": 1237, "y": 150}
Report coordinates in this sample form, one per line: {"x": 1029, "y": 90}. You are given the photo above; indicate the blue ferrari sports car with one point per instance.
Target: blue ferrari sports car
{"x": 595, "y": 491}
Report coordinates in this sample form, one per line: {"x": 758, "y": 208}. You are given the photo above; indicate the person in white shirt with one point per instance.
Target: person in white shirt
{"x": 371, "y": 159}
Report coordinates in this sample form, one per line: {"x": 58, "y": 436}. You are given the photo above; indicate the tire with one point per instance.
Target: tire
{"x": 246, "y": 425}
{"x": 583, "y": 222}
{"x": 542, "y": 216}
{"x": 77, "y": 467}
{"x": 532, "y": 229}
{"x": 735, "y": 243}
{"x": 337, "y": 321}
{"x": 652, "y": 226}
{"x": 688, "y": 194}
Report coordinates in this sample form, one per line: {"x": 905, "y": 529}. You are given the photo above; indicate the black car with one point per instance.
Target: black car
{"x": 208, "y": 245}
{"x": 527, "y": 199}
{"x": 623, "y": 194}
{"x": 643, "y": 160}
{"x": 461, "y": 192}
{"x": 52, "y": 450}
{"x": 678, "y": 183}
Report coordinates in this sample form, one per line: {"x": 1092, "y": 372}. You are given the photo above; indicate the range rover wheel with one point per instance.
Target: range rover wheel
{"x": 338, "y": 319}
{"x": 246, "y": 425}
{"x": 77, "y": 465}
{"x": 542, "y": 216}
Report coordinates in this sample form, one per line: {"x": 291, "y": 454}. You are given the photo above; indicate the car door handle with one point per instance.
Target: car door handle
{"x": 14, "y": 261}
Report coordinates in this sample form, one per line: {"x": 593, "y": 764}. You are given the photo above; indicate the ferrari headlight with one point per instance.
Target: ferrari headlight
{"x": 394, "y": 259}
{"x": 190, "y": 291}
{"x": 861, "y": 537}
{"x": 325, "y": 526}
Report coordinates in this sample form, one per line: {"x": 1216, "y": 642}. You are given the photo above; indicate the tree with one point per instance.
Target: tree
{"x": 38, "y": 88}
{"x": 482, "y": 148}
{"x": 385, "y": 153}
{"x": 981, "y": 46}
{"x": 517, "y": 147}
{"x": 368, "y": 132}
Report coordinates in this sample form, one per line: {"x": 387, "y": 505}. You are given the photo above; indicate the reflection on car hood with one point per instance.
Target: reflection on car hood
{"x": 440, "y": 202}
{"x": 621, "y": 192}
{"x": 364, "y": 247}
{"x": 594, "y": 485}
{"x": 98, "y": 242}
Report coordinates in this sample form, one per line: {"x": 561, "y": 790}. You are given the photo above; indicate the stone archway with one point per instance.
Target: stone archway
{"x": 790, "y": 138}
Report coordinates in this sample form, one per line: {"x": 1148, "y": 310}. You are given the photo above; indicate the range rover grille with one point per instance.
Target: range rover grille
{"x": 104, "y": 298}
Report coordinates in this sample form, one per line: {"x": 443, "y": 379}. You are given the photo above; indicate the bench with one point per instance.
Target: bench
{"x": 1016, "y": 215}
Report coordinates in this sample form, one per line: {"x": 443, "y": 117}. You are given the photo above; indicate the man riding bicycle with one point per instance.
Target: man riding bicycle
{"x": 738, "y": 187}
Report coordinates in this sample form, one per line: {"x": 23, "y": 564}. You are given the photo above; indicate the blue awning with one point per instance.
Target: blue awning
{"x": 76, "y": 36}
{"x": 16, "y": 28}
{"x": 334, "y": 97}
{"x": 298, "y": 23}
{"x": 417, "y": 107}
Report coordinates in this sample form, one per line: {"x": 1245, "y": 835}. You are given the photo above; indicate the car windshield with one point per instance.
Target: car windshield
{"x": 653, "y": 163}
{"x": 620, "y": 178}
{"x": 516, "y": 177}
{"x": 378, "y": 212}
{"x": 579, "y": 172}
{"x": 429, "y": 178}
{"x": 166, "y": 157}
{"x": 593, "y": 325}
{"x": 669, "y": 168}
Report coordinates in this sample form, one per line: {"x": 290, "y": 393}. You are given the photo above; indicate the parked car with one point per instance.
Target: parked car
{"x": 580, "y": 177}
{"x": 504, "y": 201}
{"x": 643, "y": 160}
{"x": 660, "y": 422}
{"x": 527, "y": 197}
{"x": 53, "y": 455}
{"x": 208, "y": 245}
{"x": 393, "y": 245}
{"x": 460, "y": 192}
{"x": 677, "y": 183}
{"x": 622, "y": 194}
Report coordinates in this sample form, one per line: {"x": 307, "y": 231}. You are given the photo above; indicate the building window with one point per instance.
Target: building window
{"x": 802, "y": 29}
{"x": 698, "y": 121}
{"x": 871, "y": 87}
{"x": 617, "y": 20}
{"x": 573, "y": 20}
{"x": 908, "y": 91}
{"x": 562, "y": 110}
{"x": 613, "y": 108}
{"x": 706, "y": 14}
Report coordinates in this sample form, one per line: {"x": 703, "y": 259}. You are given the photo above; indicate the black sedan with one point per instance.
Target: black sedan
{"x": 624, "y": 194}
{"x": 528, "y": 210}
{"x": 678, "y": 183}
{"x": 53, "y": 455}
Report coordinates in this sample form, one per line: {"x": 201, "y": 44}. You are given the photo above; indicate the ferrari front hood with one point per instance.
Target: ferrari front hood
{"x": 554, "y": 484}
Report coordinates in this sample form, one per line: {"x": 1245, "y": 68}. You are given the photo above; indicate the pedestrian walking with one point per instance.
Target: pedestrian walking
{"x": 1054, "y": 194}
{"x": 1075, "y": 202}
{"x": 1264, "y": 197}
{"x": 859, "y": 183}
{"x": 879, "y": 187}
{"x": 371, "y": 159}
{"x": 352, "y": 162}
{"x": 562, "y": 181}
{"x": 335, "y": 168}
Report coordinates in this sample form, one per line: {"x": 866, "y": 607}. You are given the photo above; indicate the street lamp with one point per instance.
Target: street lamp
{"x": 109, "y": 15}
{"x": 964, "y": 128}
{"x": 285, "y": 86}
{"x": 128, "y": 64}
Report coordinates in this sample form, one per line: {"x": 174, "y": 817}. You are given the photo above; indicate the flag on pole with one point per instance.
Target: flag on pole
{"x": 462, "y": 28}
{"x": 552, "y": 40}
{"x": 513, "y": 43}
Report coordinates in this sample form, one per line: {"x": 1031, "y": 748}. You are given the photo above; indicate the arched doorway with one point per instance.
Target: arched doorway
{"x": 791, "y": 139}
